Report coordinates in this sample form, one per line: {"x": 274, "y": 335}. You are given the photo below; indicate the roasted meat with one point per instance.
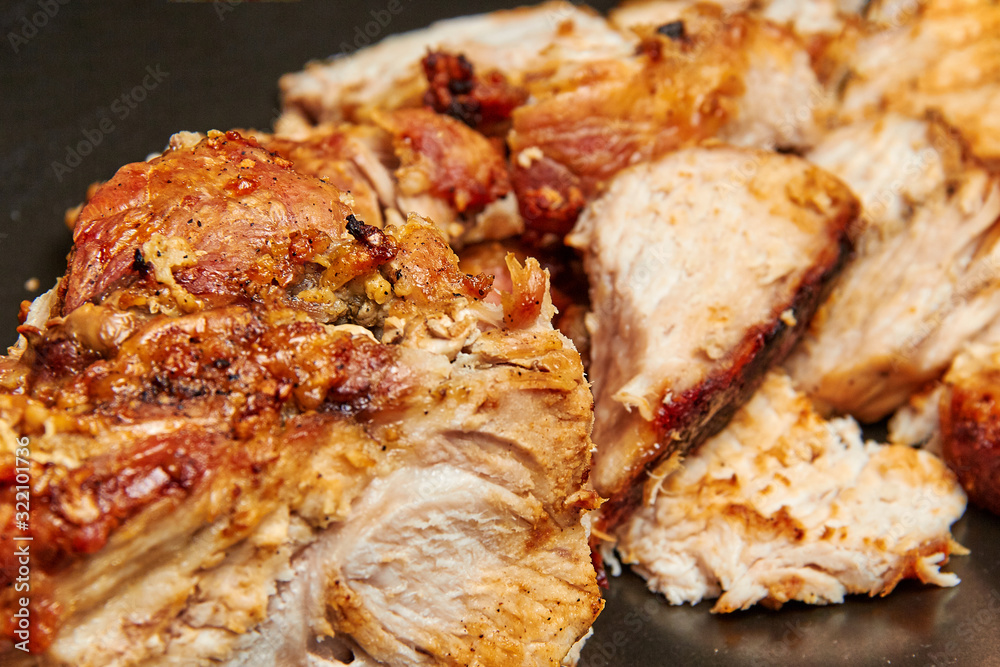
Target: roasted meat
{"x": 783, "y": 505}
{"x": 970, "y": 422}
{"x": 263, "y": 431}
{"x": 939, "y": 56}
{"x": 704, "y": 268}
{"x": 924, "y": 281}
{"x": 522, "y": 45}
{"x": 733, "y": 77}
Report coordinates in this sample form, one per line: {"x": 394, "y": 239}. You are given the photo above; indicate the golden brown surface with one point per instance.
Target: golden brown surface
{"x": 209, "y": 454}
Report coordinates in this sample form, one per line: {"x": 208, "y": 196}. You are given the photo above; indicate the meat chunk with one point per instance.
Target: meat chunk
{"x": 204, "y": 194}
{"x": 364, "y": 459}
{"x": 733, "y": 77}
{"x": 445, "y": 167}
{"x": 970, "y": 422}
{"x": 521, "y": 44}
{"x": 783, "y": 505}
{"x": 939, "y": 56}
{"x": 924, "y": 281}
{"x": 704, "y": 268}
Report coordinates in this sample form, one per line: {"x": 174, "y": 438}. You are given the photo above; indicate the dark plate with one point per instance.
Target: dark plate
{"x": 65, "y": 66}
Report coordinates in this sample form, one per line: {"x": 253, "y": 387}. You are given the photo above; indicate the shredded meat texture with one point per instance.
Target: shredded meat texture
{"x": 703, "y": 273}
{"x": 970, "y": 422}
{"x": 783, "y": 505}
{"x": 362, "y": 457}
{"x": 938, "y": 56}
{"x": 924, "y": 280}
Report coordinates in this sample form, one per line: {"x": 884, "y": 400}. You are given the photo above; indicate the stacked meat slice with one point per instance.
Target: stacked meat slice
{"x": 704, "y": 268}
{"x": 925, "y": 280}
{"x": 263, "y": 430}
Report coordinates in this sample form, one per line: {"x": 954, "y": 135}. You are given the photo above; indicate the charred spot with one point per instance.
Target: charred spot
{"x": 381, "y": 247}
{"x": 139, "y": 263}
{"x": 673, "y": 30}
{"x": 454, "y": 89}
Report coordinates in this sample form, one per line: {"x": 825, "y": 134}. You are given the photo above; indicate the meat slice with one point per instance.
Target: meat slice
{"x": 364, "y": 460}
{"x": 940, "y": 56}
{"x": 783, "y": 505}
{"x": 520, "y": 43}
{"x": 924, "y": 281}
{"x": 704, "y": 268}
{"x": 970, "y": 422}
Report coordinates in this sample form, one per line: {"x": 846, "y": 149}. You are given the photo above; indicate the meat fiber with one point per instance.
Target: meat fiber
{"x": 704, "y": 267}
{"x": 939, "y": 56}
{"x": 925, "y": 278}
{"x": 783, "y": 505}
{"x": 265, "y": 432}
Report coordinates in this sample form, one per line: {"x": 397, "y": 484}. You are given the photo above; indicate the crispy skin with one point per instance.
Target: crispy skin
{"x": 222, "y": 188}
{"x": 341, "y": 155}
{"x": 481, "y": 101}
{"x": 703, "y": 273}
{"x": 970, "y": 423}
{"x": 208, "y": 459}
{"x": 783, "y": 505}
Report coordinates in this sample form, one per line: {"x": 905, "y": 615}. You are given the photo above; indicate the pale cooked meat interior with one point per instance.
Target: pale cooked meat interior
{"x": 783, "y": 505}
{"x": 703, "y": 267}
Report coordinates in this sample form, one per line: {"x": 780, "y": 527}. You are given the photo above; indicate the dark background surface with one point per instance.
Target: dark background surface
{"x": 219, "y": 63}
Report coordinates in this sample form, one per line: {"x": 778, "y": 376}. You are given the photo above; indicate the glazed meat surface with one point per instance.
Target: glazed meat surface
{"x": 783, "y": 505}
{"x": 924, "y": 280}
{"x": 321, "y": 443}
{"x": 704, "y": 268}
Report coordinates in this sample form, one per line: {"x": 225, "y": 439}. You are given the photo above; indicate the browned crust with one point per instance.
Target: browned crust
{"x": 970, "y": 427}
{"x": 704, "y": 410}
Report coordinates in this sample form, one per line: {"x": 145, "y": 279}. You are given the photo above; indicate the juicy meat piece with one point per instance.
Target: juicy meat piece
{"x": 733, "y": 77}
{"x": 678, "y": 92}
{"x": 970, "y": 422}
{"x": 704, "y": 268}
{"x": 441, "y": 156}
{"x": 924, "y": 281}
{"x": 480, "y": 101}
{"x": 221, "y": 188}
{"x": 521, "y": 43}
{"x": 783, "y": 505}
{"x": 366, "y": 459}
{"x": 942, "y": 56}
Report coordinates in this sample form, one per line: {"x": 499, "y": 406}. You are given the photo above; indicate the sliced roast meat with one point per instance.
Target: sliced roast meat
{"x": 704, "y": 266}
